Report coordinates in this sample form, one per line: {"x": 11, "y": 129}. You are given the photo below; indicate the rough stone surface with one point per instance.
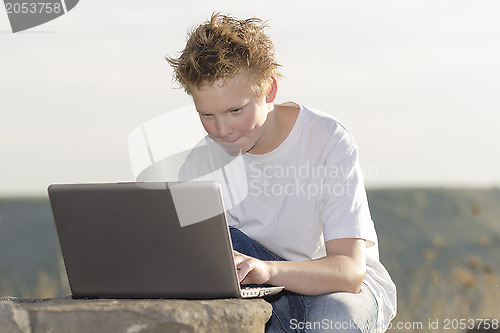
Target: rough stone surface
{"x": 66, "y": 315}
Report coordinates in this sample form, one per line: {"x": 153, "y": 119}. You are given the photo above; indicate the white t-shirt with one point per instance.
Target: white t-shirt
{"x": 292, "y": 200}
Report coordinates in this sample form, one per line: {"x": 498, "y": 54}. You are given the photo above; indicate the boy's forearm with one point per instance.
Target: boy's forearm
{"x": 316, "y": 277}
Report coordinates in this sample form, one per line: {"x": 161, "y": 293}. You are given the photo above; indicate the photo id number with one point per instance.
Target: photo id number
{"x": 33, "y": 8}
{"x": 454, "y": 324}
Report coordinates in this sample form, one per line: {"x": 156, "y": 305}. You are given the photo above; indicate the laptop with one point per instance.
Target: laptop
{"x": 127, "y": 240}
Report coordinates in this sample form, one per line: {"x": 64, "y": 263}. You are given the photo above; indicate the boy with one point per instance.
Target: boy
{"x": 305, "y": 222}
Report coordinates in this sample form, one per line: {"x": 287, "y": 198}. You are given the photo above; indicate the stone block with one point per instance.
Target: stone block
{"x": 66, "y": 315}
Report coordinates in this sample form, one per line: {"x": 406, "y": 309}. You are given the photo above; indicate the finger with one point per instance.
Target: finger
{"x": 244, "y": 269}
{"x": 238, "y": 259}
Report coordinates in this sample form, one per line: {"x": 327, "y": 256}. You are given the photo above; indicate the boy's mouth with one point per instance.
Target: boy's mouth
{"x": 231, "y": 141}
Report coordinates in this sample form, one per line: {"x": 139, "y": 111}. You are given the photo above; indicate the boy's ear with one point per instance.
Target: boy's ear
{"x": 273, "y": 90}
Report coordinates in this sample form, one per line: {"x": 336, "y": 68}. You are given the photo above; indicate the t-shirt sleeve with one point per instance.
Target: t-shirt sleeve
{"x": 345, "y": 212}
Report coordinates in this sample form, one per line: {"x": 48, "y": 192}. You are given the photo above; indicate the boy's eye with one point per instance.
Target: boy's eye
{"x": 236, "y": 110}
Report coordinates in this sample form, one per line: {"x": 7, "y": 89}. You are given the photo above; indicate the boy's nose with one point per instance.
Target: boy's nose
{"x": 223, "y": 129}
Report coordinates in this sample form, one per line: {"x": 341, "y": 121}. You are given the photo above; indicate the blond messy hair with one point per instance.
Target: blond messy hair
{"x": 224, "y": 47}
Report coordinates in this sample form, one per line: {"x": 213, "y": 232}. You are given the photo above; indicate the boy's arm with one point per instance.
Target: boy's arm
{"x": 342, "y": 269}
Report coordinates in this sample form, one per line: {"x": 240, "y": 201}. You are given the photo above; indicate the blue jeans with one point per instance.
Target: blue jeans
{"x": 296, "y": 313}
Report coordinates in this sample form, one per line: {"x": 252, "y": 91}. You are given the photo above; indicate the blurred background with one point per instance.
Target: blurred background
{"x": 415, "y": 82}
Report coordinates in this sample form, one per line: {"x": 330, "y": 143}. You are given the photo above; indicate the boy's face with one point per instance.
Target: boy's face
{"x": 232, "y": 113}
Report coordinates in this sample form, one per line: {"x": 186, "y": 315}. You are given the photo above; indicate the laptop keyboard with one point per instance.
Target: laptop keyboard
{"x": 255, "y": 292}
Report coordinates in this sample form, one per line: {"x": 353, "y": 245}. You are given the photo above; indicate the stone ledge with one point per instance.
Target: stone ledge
{"x": 66, "y": 315}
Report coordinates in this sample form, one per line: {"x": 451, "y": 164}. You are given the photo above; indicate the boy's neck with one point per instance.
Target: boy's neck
{"x": 279, "y": 124}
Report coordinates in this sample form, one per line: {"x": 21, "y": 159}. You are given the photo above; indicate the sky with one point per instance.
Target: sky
{"x": 416, "y": 82}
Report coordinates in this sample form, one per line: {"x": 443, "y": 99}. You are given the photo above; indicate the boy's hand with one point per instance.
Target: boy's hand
{"x": 251, "y": 270}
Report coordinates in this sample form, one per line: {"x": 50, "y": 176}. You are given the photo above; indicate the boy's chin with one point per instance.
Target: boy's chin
{"x": 233, "y": 150}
